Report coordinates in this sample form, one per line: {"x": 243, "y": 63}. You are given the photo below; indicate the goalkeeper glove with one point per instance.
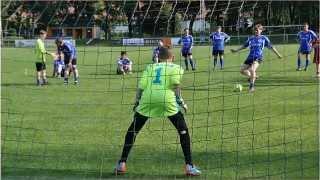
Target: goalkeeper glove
{"x": 181, "y": 103}
{"x": 136, "y": 104}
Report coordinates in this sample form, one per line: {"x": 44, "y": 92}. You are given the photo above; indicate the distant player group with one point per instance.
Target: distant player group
{"x": 159, "y": 90}
{"x": 307, "y": 40}
{"x": 65, "y": 60}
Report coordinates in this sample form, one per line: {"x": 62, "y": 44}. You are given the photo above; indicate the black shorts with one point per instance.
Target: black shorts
{"x": 186, "y": 52}
{"x": 216, "y": 52}
{"x": 73, "y": 61}
{"x": 250, "y": 61}
{"x": 306, "y": 52}
{"x": 40, "y": 66}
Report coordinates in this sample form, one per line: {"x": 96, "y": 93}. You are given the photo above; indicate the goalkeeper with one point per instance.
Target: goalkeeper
{"x": 159, "y": 95}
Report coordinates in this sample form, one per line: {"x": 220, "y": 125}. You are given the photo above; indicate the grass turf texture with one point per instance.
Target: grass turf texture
{"x": 77, "y": 132}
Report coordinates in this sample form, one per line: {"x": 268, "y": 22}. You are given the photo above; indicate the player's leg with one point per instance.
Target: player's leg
{"x": 75, "y": 71}
{"x": 55, "y": 69}
{"x": 185, "y": 56}
{"x": 67, "y": 71}
{"x": 244, "y": 70}
{"x": 130, "y": 68}
{"x": 38, "y": 73}
{"x": 121, "y": 68}
{"x": 132, "y": 132}
{"x": 221, "y": 59}
{"x": 215, "y": 58}
{"x": 299, "y": 61}
{"x": 253, "y": 68}
{"x": 318, "y": 69}
{"x": 44, "y": 74}
{"x": 307, "y": 61}
{"x": 180, "y": 124}
{"x": 59, "y": 70}
{"x": 192, "y": 63}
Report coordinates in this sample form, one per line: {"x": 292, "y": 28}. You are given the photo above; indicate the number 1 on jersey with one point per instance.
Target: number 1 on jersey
{"x": 157, "y": 80}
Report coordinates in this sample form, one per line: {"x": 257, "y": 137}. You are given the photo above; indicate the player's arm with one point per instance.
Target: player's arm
{"x": 191, "y": 42}
{"x": 276, "y": 52}
{"x": 138, "y": 97}
{"x": 227, "y": 37}
{"x": 239, "y": 49}
{"x": 244, "y": 46}
{"x": 179, "y": 99}
{"x": 269, "y": 45}
{"x": 211, "y": 38}
{"x": 298, "y": 38}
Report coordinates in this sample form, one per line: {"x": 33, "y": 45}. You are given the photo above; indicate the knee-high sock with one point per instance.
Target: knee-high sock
{"x": 136, "y": 125}
{"x": 193, "y": 66}
{"x": 221, "y": 62}
{"x": 178, "y": 121}
{"x": 215, "y": 62}
{"x": 186, "y": 63}
{"x": 299, "y": 62}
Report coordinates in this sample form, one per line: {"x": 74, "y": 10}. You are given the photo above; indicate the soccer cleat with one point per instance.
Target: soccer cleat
{"x": 120, "y": 168}
{"x": 191, "y": 170}
{"x": 76, "y": 82}
{"x": 305, "y": 69}
{"x": 298, "y": 69}
{"x": 65, "y": 82}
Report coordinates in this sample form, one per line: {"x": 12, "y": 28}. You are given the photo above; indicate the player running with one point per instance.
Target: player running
{"x": 305, "y": 39}
{"x": 187, "y": 44}
{"x": 70, "y": 59}
{"x": 41, "y": 53}
{"x": 159, "y": 95}
{"x": 256, "y": 44}
{"x": 316, "y": 58}
{"x": 218, "y": 39}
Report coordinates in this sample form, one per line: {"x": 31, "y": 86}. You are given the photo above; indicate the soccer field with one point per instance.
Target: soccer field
{"x": 77, "y": 132}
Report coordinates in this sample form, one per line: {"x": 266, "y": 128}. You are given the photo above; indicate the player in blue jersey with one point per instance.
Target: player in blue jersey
{"x": 155, "y": 55}
{"x": 256, "y": 44}
{"x": 218, "y": 39}
{"x": 70, "y": 59}
{"x": 124, "y": 64}
{"x": 187, "y": 44}
{"x": 58, "y": 66}
{"x": 305, "y": 39}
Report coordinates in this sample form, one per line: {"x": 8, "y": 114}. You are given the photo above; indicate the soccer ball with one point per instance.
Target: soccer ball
{"x": 238, "y": 88}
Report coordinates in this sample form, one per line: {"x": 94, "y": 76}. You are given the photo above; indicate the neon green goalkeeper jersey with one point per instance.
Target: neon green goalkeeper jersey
{"x": 158, "y": 97}
{"x": 40, "y": 51}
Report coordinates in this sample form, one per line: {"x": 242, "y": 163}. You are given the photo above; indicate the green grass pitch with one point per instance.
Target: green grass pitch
{"x": 77, "y": 132}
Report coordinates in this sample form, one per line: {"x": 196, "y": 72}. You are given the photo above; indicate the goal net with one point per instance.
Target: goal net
{"x": 77, "y": 131}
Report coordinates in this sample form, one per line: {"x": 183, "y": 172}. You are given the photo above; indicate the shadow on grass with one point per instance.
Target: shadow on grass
{"x": 214, "y": 165}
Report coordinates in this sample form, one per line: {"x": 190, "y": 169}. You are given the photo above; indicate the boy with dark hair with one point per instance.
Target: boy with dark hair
{"x": 70, "y": 59}
{"x": 124, "y": 64}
